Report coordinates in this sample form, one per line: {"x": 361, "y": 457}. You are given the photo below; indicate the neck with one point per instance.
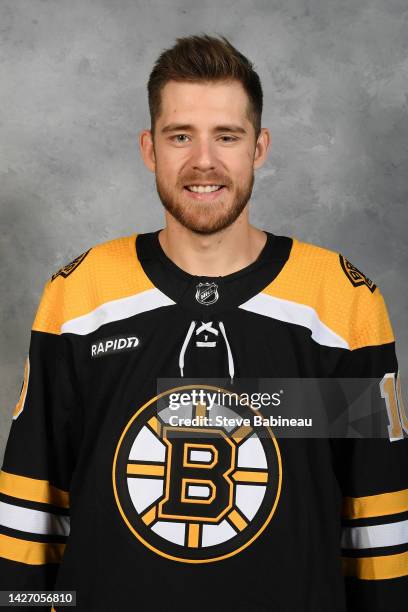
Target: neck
{"x": 219, "y": 254}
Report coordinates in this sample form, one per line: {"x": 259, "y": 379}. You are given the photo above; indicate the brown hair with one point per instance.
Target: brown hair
{"x": 205, "y": 58}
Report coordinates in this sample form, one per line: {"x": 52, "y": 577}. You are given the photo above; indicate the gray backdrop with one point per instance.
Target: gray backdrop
{"x": 73, "y": 98}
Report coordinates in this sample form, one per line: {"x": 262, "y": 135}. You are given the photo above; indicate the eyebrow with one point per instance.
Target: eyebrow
{"x": 173, "y": 127}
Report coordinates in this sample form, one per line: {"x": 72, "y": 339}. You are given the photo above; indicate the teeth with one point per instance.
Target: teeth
{"x": 203, "y": 189}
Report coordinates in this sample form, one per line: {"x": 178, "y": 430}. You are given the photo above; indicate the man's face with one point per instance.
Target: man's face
{"x": 203, "y": 137}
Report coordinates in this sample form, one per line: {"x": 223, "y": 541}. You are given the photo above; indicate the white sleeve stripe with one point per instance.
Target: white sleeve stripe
{"x": 33, "y": 521}
{"x": 375, "y": 536}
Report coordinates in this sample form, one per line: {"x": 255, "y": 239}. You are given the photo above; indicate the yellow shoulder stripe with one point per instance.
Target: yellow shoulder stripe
{"x": 313, "y": 276}
{"x": 110, "y": 271}
{"x": 32, "y": 489}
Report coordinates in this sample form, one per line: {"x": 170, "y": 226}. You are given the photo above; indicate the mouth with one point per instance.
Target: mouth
{"x": 205, "y": 192}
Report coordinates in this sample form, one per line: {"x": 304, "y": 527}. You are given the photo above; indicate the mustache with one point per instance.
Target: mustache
{"x": 208, "y": 180}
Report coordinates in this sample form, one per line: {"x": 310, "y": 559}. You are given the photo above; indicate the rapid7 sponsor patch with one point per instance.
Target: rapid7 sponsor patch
{"x": 114, "y": 344}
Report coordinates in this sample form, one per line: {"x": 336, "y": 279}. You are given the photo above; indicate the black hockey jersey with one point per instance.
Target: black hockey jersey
{"x": 101, "y": 493}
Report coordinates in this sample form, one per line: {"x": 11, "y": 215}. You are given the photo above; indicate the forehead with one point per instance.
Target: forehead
{"x": 220, "y": 101}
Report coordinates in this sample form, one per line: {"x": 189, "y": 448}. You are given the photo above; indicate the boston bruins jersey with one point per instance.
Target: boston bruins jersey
{"x": 102, "y": 494}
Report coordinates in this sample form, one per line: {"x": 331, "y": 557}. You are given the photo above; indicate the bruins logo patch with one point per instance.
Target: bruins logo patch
{"x": 200, "y": 493}
{"x": 354, "y": 275}
{"x": 69, "y": 268}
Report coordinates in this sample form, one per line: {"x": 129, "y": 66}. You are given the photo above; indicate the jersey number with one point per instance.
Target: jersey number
{"x": 390, "y": 386}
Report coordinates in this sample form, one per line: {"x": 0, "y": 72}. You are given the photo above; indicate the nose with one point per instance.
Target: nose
{"x": 203, "y": 155}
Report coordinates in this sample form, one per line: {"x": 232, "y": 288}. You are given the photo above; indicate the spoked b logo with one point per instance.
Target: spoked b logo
{"x": 195, "y": 494}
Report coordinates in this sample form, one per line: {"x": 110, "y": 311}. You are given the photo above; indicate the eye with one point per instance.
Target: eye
{"x": 178, "y": 136}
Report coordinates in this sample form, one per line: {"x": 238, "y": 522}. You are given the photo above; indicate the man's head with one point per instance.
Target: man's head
{"x": 205, "y": 103}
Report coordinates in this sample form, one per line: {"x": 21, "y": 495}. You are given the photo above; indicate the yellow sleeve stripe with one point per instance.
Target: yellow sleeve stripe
{"x": 32, "y": 489}
{"x": 31, "y": 553}
{"x": 375, "y": 505}
{"x": 376, "y": 568}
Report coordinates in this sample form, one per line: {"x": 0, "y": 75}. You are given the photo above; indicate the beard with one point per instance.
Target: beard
{"x": 204, "y": 217}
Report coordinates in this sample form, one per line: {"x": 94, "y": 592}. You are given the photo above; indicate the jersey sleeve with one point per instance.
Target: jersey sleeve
{"x": 39, "y": 458}
{"x": 373, "y": 472}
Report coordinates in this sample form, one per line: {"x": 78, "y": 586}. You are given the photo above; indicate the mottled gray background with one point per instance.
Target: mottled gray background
{"x": 73, "y": 98}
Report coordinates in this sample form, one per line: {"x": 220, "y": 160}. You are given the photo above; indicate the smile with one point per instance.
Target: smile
{"x": 207, "y": 192}
{"x": 203, "y": 188}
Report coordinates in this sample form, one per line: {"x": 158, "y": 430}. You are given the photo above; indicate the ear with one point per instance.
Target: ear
{"x": 147, "y": 150}
{"x": 262, "y": 147}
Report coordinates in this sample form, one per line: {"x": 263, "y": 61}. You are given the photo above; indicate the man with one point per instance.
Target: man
{"x": 101, "y": 493}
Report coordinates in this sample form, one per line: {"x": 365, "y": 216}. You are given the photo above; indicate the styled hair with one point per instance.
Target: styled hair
{"x": 208, "y": 59}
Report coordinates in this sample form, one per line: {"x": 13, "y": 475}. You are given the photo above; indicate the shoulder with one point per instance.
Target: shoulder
{"x": 323, "y": 265}
{"x": 102, "y": 273}
{"x": 336, "y": 292}
{"x": 87, "y": 263}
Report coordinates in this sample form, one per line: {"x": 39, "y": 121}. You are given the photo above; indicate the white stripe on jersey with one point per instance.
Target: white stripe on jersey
{"x": 116, "y": 310}
{"x": 390, "y": 534}
{"x": 293, "y": 312}
{"x": 33, "y": 521}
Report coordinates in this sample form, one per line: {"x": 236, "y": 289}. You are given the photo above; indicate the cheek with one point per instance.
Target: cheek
{"x": 170, "y": 166}
{"x": 241, "y": 176}
{"x": 239, "y": 167}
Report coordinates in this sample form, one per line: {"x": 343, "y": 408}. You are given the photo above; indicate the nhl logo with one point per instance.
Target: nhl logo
{"x": 207, "y": 293}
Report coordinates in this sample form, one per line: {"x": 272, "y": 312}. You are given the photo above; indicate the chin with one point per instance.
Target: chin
{"x": 206, "y": 227}
{"x": 203, "y": 218}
